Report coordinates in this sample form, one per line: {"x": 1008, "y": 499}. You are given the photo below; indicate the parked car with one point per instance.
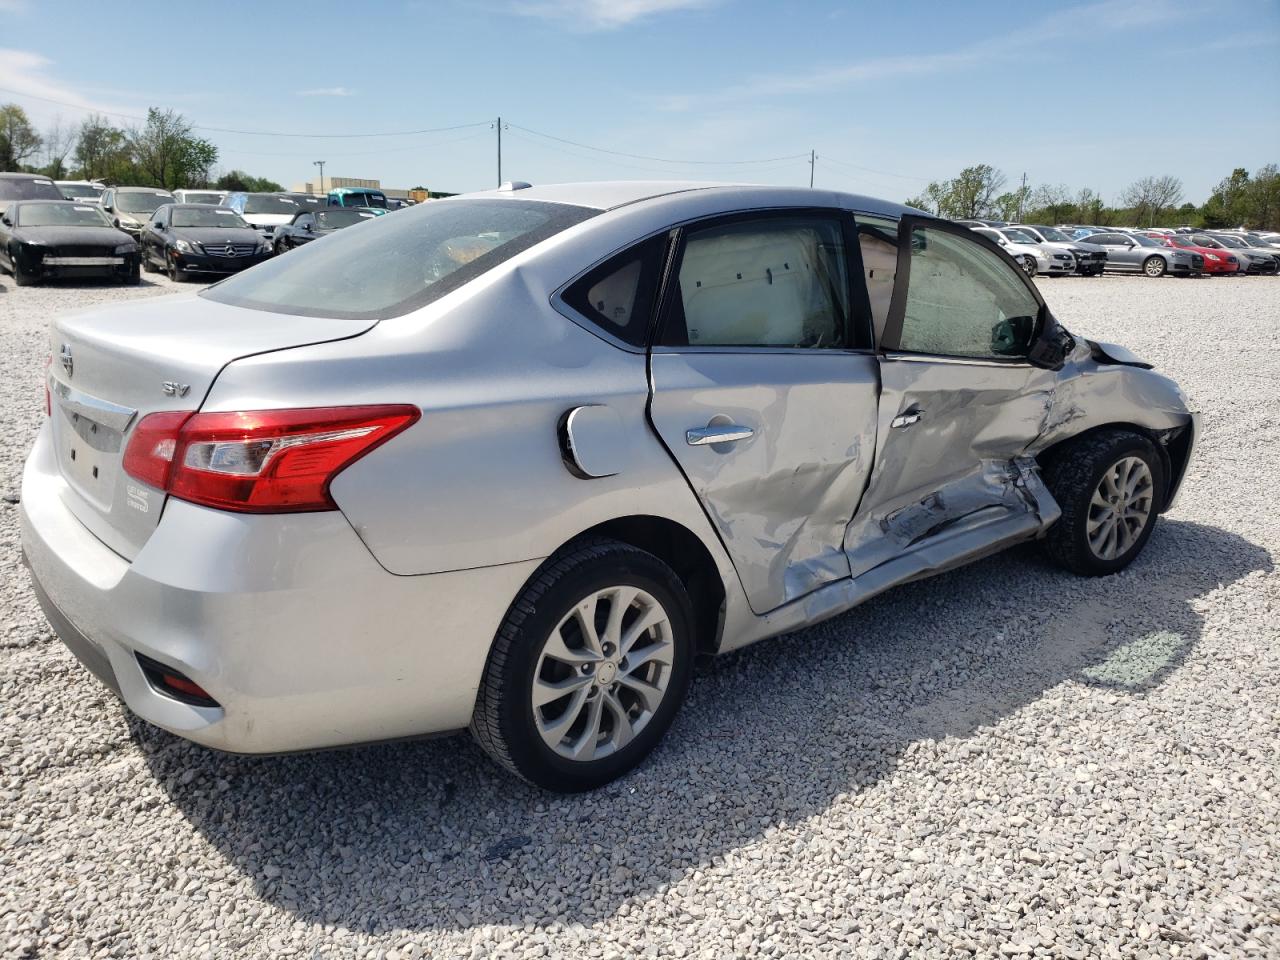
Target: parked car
{"x": 190, "y": 238}
{"x": 57, "y": 239}
{"x": 993, "y": 224}
{"x": 27, "y": 186}
{"x": 1252, "y": 261}
{"x": 1216, "y": 261}
{"x": 1060, "y": 259}
{"x": 310, "y": 224}
{"x": 263, "y": 211}
{"x": 357, "y": 197}
{"x": 1133, "y": 253}
{"x": 1029, "y": 256}
{"x": 131, "y": 207}
{"x": 1091, "y": 259}
{"x": 211, "y": 198}
{"x": 85, "y": 191}
{"x": 299, "y": 526}
{"x": 1258, "y": 242}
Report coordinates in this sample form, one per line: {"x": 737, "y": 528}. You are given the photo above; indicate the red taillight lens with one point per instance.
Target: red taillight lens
{"x": 149, "y": 455}
{"x": 260, "y": 461}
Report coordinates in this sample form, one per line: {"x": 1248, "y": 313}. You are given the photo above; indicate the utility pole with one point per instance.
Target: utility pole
{"x": 1022, "y": 196}
{"x": 320, "y": 164}
{"x": 499, "y": 151}
{"x": 813, "y": 158}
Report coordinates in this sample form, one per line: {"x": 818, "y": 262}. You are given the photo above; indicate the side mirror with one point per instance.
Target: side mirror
{"x": 1012, "y": 337}
{"x": 108, "y": 207}
{"x": 116, "y": 222}
{"x": 308, "y": 227}
{"x": 4, "y": 218}
{"x": 1052, "y": 346}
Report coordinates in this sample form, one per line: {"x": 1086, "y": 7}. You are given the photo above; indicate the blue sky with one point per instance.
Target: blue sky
{"x": 1093, "y": 94}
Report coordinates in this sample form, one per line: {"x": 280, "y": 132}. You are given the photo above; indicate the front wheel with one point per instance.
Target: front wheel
{"x": 1110, "y": 486}
{"x": 1029, "y": 266}
{"x": 1154, "y": 266}
{"x": 176, "y": 273}
{"x": 588, "y": 669}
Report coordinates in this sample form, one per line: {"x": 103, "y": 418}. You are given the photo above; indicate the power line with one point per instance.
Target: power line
{"x": 883, "y": 173}
{"x": 640, "y": 156}
{"x": 252, "y": 133}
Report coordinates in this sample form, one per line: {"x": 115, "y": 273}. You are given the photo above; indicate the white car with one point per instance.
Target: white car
{"x": 1029, "y": 256}
{"x": 212, "y": 198}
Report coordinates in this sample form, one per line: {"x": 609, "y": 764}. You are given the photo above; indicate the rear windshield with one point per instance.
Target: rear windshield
{"x": 391, "y": 265}
{"x": 73, "y": 191}
{"x": 142, "y": 202}
{"x": 61, "y": 215}
{"x": 208, "y": 217}
{"x": 24, "y": 188}
{"x": 364, "y": 200}
{"x": 270, "y": 204}
{"x": 336, "y": 217}
{"x": 213, "y": 199}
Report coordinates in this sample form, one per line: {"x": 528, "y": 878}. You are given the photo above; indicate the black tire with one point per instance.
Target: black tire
{"x": 1029, "y": 266}
{"x": 176, "y": 274}
{"x": 21, "y": 279}
{"x": 1154, "y": 266}
{"x": 504, "y": 723}
{"x": 132, "y": 278}
{"x": 1073, "y": 472}
{"x": 278, "y": 248}
{"x": 147, "y": 265}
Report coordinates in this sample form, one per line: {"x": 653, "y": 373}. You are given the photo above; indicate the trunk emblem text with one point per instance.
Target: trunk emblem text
{"x": 65, "y": 356}
{"x": 174, "y": 389}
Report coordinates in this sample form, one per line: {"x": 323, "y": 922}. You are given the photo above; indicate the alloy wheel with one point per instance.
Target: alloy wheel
{"x": 1029, "y": 266}
{"x": 603, "y": 673}
{"x": 1120, "y": 508}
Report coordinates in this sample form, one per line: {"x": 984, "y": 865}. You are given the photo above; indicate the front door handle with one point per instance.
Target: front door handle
{"x": 906, "y": 419}
{"x": 720, "y": 433}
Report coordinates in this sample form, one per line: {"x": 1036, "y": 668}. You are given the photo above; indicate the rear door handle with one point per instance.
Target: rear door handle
{"x": 721, "y": 433}
{"x": 906, "y": 419}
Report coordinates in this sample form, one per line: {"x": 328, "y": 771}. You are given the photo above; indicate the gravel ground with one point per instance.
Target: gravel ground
{"x": 1004, "y": 761}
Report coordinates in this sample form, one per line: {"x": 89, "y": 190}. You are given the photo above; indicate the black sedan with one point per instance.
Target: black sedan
{"x": 309, "y": 224}
{"x": 50, "y": 239}
{"x": 187, "y": 238}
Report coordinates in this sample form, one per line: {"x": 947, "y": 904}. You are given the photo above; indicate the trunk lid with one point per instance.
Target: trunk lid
{"x": 111, "y": 367}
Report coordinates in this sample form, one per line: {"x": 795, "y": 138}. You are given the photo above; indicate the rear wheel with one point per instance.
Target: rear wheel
{"x": 1110, "y": 486}
{"x": 1154, "y": 266}
{"x": 588, "y": 669}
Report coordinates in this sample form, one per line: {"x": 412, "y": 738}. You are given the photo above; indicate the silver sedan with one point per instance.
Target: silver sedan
{"x": 510, "y": 461}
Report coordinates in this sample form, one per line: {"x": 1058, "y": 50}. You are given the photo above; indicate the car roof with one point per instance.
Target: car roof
{"x": 25, "y": 176}
{"x": 612, "y": 194}
{"x": 45, "y": 202}
{"x": 141, "y": 190}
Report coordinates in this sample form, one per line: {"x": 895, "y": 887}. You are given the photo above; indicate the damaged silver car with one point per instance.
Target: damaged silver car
{"x": 510, "y": 461}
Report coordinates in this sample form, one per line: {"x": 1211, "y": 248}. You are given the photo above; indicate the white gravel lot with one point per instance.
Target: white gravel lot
{"x": 1003, "y": 761}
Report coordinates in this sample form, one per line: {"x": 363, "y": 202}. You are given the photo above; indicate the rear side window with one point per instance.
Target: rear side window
{"x": 878, "y": 243}
{"x": 387, "y": 266}
{"x": 618, "y": 296}
{"x": 779, "y": 282}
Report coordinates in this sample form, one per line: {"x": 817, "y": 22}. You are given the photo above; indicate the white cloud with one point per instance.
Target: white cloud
{"x": 1106, "y": 16}
{"x": 25, "y": 72}
{"x": 327, "y": 92}
{"x": 603, "y": 14}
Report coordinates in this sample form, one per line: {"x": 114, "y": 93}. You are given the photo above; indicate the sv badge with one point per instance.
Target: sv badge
{"x": 174, "y": 389}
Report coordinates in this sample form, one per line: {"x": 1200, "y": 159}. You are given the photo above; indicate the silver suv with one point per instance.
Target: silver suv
{"x": 509, "y": 461}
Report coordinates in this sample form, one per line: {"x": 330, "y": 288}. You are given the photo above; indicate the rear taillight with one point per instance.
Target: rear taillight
{"x": 259, "y": 461}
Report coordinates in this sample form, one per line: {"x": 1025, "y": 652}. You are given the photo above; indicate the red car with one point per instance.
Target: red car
{"x": 1215, "y": 261}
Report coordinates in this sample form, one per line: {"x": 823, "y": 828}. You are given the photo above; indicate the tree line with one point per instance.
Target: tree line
{"x": 163, "y": 152}
{"x": 1239, "y": 200}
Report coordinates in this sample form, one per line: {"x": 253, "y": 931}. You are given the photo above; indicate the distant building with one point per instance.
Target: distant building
{"x": 332, "y": 183}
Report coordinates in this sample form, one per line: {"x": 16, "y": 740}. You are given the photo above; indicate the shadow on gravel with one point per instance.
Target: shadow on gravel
{"x": 431, "y": 835}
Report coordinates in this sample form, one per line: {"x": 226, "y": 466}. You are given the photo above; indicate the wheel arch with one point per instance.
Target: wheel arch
{"x": 682, "y": 550}
{"x": 1174, "y": 446}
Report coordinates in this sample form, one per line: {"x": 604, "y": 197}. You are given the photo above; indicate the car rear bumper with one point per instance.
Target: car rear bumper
{"x": 287, "y": 621}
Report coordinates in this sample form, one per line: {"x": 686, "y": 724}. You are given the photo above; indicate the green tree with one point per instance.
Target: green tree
{"x": 167, "y": 152}
{"x": 101, "y": 150}
{"x": 238, "y": 180}
{"x": 18, "y": 138}
{"x": 1055, "y": 200}
{"x": 1151, "y": 197}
